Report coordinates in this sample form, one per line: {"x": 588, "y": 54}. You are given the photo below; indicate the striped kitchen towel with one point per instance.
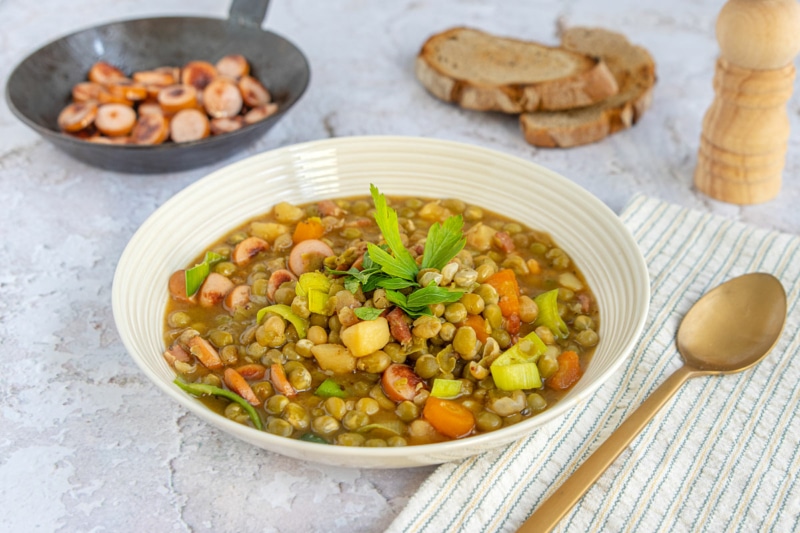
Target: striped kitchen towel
{"x": 723, "y": 455}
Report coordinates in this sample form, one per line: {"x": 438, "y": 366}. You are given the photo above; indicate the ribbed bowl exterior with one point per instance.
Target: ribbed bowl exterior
{"x": 178, "y": 231}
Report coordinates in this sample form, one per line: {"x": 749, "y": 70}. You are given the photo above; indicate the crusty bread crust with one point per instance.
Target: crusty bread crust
{"x": 634, "y": 70}
{"x": 484, "y": 72}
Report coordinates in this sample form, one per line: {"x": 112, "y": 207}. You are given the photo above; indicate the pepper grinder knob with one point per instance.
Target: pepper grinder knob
{"x": 746, "y": 129}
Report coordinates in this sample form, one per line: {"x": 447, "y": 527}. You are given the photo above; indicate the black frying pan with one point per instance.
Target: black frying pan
{"x": 40, "y": 86}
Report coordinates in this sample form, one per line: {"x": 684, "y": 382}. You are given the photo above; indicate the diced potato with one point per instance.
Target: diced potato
{"x": 334, "y": 357}
{"x": 570, "y": 281}
{"x": 367, "y": 336}
{"x": 269, "y": 231}
{"x": 288, "y": 213}
{"x": 434, "y": 212}
{"x": 480, "y": 236}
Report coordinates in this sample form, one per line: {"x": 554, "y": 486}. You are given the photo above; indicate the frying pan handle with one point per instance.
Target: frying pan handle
{"x": 248, "y": 13}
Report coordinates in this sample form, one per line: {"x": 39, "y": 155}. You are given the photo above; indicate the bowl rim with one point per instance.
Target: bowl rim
{"x": 443, "y": 449}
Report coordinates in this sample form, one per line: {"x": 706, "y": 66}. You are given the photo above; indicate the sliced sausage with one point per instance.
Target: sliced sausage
{"x": 240, "y": 386}
{"x": 253, "y": 92}
{"x": 154, "y": 77}
{"x": 105, "y": 73}
{"x": 260, "y": 113}
{"x": 198, "y": 74}
{"x": 213, "y": 290}
{"x": 115, "y": 120}
{"x": 308, "y": 256}
{"x": 238, "y": 297}
{"x": 128, "y": 89}
{"x": 248, "y": 249}
{"x": 176, "y": 353}
{"x": 189, "y": 125}
{"x": 233, "y": 66}
{"x": 150, "y": 128}
{"x": 225, "y": 125}
{"x": 177, "y": 285}
{"x": 222, "y": 99}
{"x": 278, "y": 278}
{"x": 177, "y": 97}
{"x": 328, "y": 208}
{"x": 86, "y": 90}
{"x": 204, "y": 352}
{"x": 398, "y": 326}
{"x": 400, "y": 382}
{"x": 77, "y": 116}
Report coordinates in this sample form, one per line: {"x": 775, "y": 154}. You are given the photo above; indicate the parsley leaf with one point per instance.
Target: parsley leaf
{"x": 401, "y": 264}
{"x": 443, "y": 243}
{"x": 432, "y": 294}
{"x": 392, "y": 267}
{"x": 367, "y": 313}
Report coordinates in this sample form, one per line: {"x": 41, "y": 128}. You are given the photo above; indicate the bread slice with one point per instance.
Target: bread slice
{"x": 634, "y": 69}
{"x": 484, "y": 72}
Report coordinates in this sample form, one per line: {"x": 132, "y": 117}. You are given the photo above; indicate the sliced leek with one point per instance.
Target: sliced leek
{"x": 548, "y": 314}
{"x": 284, "y": 311}
{"x": 446, "y": 388}
{"x": 517, "y": 376}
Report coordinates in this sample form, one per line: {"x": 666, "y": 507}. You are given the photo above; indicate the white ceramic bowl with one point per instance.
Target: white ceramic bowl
{"x": 186, "y": 224}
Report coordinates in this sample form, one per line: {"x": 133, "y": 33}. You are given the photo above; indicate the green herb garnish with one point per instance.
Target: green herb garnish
{"x": 284, "y": 311}
{"x": 201, "y": 389}
{"x": 443, "y": 243}
{"x": 310, "y": 437}
{"x": 392, "y": 267}
{"x": 368, "y": 313}
{"x": 418, "y": 302}
{"x": 195, "y": 276}
{"x": 401, "y": 264}
{"x": 330, "y": 388}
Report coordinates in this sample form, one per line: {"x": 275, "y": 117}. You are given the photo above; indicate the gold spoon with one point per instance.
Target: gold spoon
{"x": 729, "y": 329}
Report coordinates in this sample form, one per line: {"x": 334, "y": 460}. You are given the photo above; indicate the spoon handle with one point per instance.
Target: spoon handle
{"x": 567, "y": 495}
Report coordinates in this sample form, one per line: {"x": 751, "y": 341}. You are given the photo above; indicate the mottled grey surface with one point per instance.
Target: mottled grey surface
{"x": 87, "y": 444}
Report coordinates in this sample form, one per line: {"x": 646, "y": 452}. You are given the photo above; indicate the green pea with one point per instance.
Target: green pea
{"x": 279, "y": 427}
{"x": 336, "y": 407}
{"x": 587, "y": 337}
{"x": 465, "y": 342}
{"x": 351, "y": 233}
{"x": 493, "y": 315}
{"x": 547, "y": 367}
{"x": 325, "y": 425}
{"x": 407, "y": 411}
{"x": 583, "y": 322}
{"x": 473, "y": 303}
{"x": 276, "y": 404}
{"x": 179, "y": 319}
{"x": 455, "y": 313}
{"x": 220, "y": 338}
{"x": 350, "y": 439}
{"x": 296, "y": 415}
{"x": 226, "y": 268}
{"x": 355, "y": 419}
{"x": 486, "y": 421}
{"x": 536, "y": 402}
{"x": 235, "y": 412}
{"x": 426, "y": 366}
{"x": 447, "y": 332}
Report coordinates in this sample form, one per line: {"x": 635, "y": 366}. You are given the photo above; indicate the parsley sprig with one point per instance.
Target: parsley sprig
{"x": 393, "y": 268}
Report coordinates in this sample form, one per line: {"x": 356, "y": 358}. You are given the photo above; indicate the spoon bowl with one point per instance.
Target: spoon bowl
{"x": 733, "y": 326}
{"x": 730, "y": 329}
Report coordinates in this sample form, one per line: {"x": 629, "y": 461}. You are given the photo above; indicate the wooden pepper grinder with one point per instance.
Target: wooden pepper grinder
{"x": 746, "y": 129}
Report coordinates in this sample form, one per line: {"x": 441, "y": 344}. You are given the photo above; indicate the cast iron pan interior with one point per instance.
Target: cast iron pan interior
{"x": 40, "y": 86}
